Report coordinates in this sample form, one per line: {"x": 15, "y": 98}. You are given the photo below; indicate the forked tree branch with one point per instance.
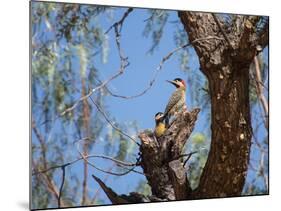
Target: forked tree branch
{"x": 119, "y": 23}
{"x": 162, "y": 162}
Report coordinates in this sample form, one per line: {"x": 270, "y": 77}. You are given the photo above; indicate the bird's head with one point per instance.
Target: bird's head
{"x": 178, "y": 82}
{"x": 159, "y": 116}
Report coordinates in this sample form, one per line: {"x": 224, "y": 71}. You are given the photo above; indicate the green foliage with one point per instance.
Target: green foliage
{"x": 63, "y": 65}
{"x": 200, "y": 144}
{"x": 143, "y": 188}
{"x": 41, "y": 195}
{"x": 123, "y": 147}
{"x": 180, "y": 39}
{"x": 155, "y": 27}
{"x": 198, "y": 139}
{"x": 57, "y": 84}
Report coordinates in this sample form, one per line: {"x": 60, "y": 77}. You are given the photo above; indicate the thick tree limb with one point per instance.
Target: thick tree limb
{"x": 157, "y": 154}
{"x": 162, "y": 163}
{"x": 177, "y": 174}
{"x": 227, "y": 71}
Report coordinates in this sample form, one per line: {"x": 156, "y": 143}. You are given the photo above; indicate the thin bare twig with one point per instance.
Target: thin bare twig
{"x": 189, "y": 156}
{"x": 50, "y": 186}
{"x": 105, "y": 171}
{"x": 186, "y": 155}
{"x": 119, "y": 162}
{"x": 42, "y": 143}
{"x": 49, "y": 182}
{"x": 123, "y": 64}
{"x": 159, "y": 67}
{"x": 85, "y": 158}
{"x": 61, "y": 186}
{"x": 112, "y": 125}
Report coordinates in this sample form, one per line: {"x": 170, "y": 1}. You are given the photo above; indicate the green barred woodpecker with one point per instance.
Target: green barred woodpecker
{"x": 177, "y": 100}
{"x": 160, "y": 126}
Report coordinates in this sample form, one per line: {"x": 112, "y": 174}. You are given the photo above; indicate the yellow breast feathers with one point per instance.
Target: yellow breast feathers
{"x": 160, "y": 129}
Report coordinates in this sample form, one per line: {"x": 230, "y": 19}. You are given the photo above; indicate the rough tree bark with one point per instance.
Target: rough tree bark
{"x": 226, "y": 66}
{"x": 162, "y": 164}
{"x": 225, "y": 62}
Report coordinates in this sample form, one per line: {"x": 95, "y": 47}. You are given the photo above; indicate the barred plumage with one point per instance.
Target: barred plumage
{"x": 177, "y": 100}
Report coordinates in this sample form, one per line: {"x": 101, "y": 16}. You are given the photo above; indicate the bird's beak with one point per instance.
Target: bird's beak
{"x": 172, "y": 82}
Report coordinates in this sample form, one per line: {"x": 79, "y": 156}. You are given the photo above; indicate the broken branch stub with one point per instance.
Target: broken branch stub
{"x": 162, "y": 164}
{"x": 157, "y": 155}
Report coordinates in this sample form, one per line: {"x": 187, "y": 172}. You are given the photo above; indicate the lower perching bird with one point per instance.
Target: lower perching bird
{"x": 160, "y": 127}
{"x": 177, "y": 100}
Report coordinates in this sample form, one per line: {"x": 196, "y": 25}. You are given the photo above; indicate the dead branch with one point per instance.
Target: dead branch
{"x": 114, "y": 198}
{"x": 99, "y": 190}
{"x": 161, "y": 161}
{"x": 133, "y": 197}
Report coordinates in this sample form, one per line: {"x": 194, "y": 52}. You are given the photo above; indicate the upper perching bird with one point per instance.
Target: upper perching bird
{"x": 160, "y": 127}
{"x": 177, "y": 100}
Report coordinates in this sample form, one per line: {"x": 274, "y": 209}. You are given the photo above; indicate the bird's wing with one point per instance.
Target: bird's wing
{"x": 172, "y": 102}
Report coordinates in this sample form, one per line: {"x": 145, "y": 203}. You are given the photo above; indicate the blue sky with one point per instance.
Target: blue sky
{"x": 134, "y": 80}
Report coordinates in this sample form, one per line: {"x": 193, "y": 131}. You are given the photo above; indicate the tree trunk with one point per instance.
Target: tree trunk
{"x": 161, "y": 159}
{"x": 226, "y": 168}
{"x": 225, "y": 62}
{"x": 225, "y": 53}
{"x": 162, "y": 164}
